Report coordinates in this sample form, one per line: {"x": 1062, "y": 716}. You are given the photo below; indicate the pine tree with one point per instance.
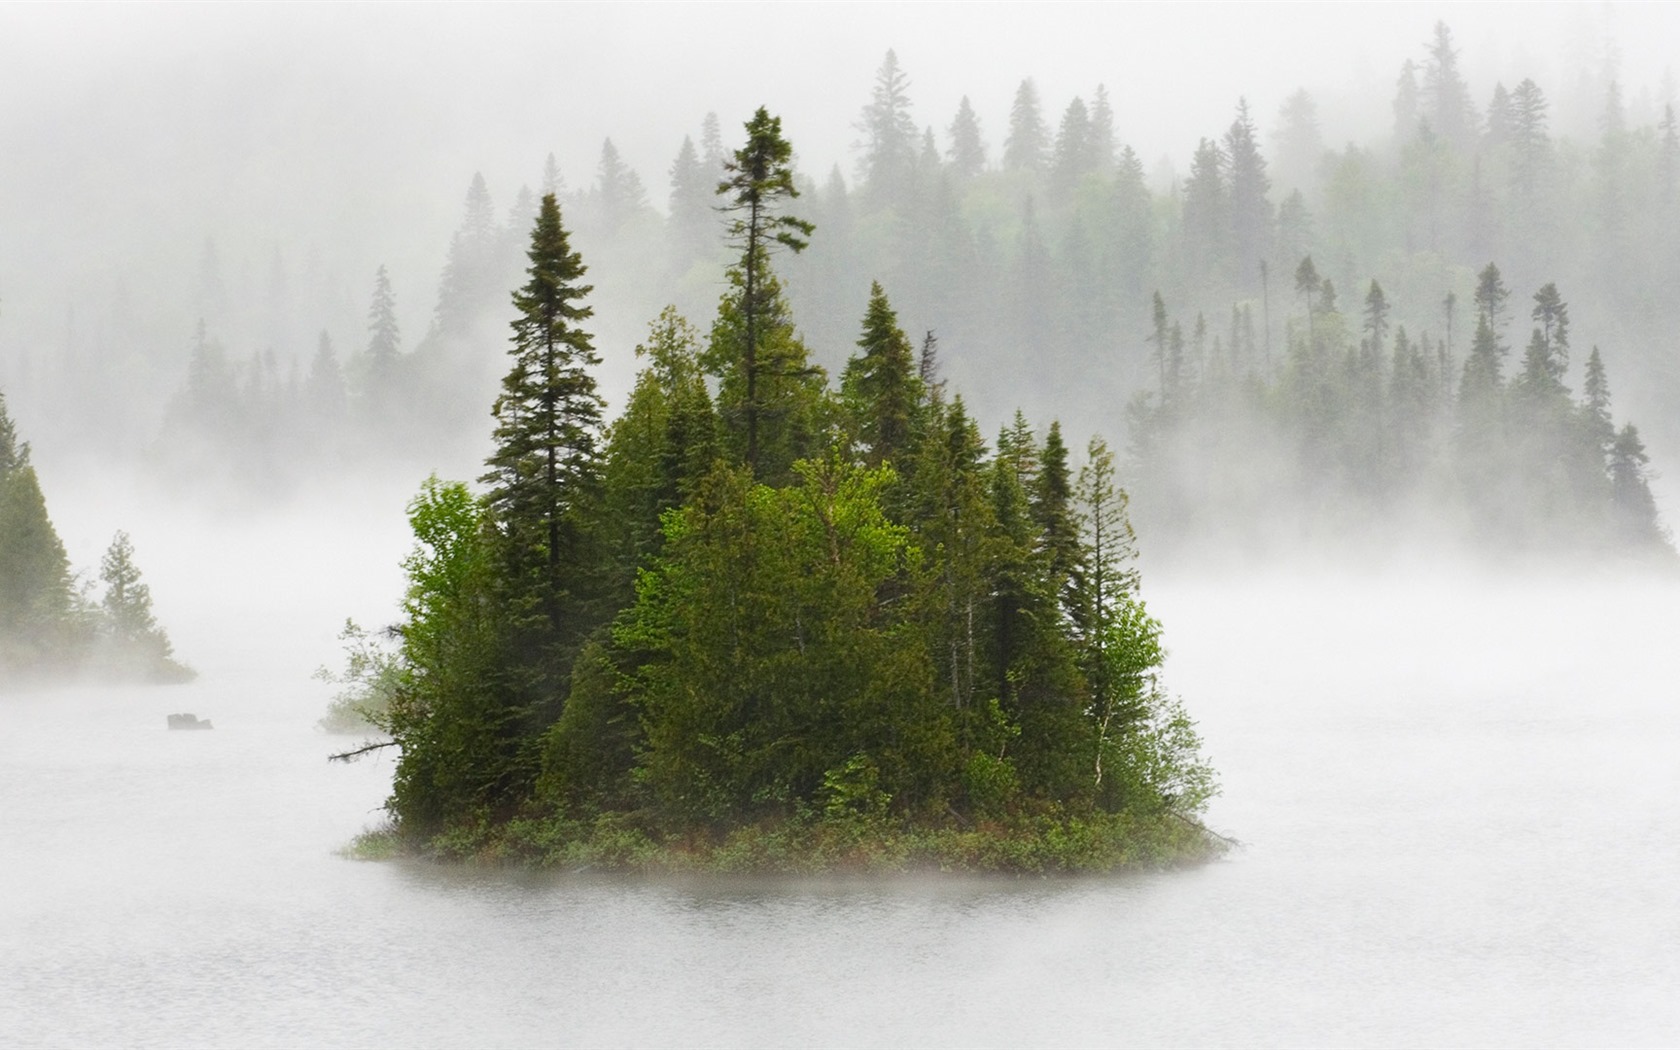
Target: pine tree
{"x": 1051, "y": 495}
{"x": 1299, "y": 142}
{"x": 882, "y": 383}
{"x": 889, "y": 134}
{"x": 1635, "y": 511}
{"x": 1103, "y": 142}
{"x": 1072, "y": 156}
{"x": 1500, "y": 118}
{"x": 1251, "y": 211}
{"x": 767, "y": 378}
{"x": 968, "y": 149}
{"x": 324, "y": 392}
{"x": 1376, "y": 317}
{"x": 691, "y": 219}
{"x": 38, "y": 628}
{"x": 1029, "y": 140}
{"x": 14, "y": 454}
{"x": 1407, "y": 102}
{"x": 1445, "y": 95}
{"x": 618, "y": 189}
{"x": 1529, "y": 144}
{"x": 1596, "y": 406}
{"x": 1207, "y": 212}
{"x": 545, "y": 471}
{"x": 468, "y": 287}
{"x": 137, "y": 645}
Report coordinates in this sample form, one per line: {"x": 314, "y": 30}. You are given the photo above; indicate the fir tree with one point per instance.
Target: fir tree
{"x": 544, "y": 474}
{"x": 136, "y": 644}
{"x": 889, "y": 134}
{"x": 764, "y": 367}
{"x": 882, "y": 382}
{"x": 1072, "y": 156}
{"x": 1251, "y": 211}
{"x": 1029, "y": 140}
{"x": 968, "y": 149}
{"x": 618, "y": 189}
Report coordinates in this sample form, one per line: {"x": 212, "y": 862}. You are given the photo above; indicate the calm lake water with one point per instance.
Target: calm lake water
{"x": 1460, "y": 804}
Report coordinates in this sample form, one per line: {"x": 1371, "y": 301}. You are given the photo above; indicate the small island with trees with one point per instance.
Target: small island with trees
{"x": 763, "y": 623}
{"x": 52, "y": 629}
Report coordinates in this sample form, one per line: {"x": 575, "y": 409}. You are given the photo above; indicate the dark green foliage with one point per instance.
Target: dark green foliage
{"x": 132, "y": 645}
{"x": 545, "y": 472}
{"x": 830, "y": 618}
{"x": 48, "y": 629}
{"x": 769, "y": 389}
{"x": 38, "y": 622}
{"x": 882, "y": 383}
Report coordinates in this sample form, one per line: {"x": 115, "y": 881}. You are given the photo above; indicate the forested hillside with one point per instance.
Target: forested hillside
{"x": 1039, "y": 248}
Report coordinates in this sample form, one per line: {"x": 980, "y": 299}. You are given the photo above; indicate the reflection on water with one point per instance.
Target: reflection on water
{"x": 1461, "y": 810}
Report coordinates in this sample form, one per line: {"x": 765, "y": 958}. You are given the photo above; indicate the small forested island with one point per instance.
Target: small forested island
{"x": 52, "y": 629}
{"x": 761, "y": 623}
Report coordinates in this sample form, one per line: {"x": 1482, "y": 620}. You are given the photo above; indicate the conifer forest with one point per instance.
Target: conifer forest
{"x": 783, "y": 518}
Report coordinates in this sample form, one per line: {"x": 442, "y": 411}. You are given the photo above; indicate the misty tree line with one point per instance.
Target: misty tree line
{"x": 758, "y": 600}
{"x": 1363, "y": 430}
{"x": 1038, "y": 239}
{"x": 51, "y": 623}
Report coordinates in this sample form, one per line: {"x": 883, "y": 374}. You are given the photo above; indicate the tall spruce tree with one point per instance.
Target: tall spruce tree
{"x": 882, "y": 383}
{"x": 889, "y": 135}
{"x": 545, "y": 471}
{"x": 968, "y": 149}
{"x": 1029, "y": 140}
{"x": 767, "y": 377}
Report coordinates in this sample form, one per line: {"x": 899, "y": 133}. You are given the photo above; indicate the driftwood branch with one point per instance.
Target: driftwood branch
{"x": 355, "y": 753}
{"x": 1204, "y": 829}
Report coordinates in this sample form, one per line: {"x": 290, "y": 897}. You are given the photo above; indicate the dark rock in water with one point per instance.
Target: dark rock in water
{"x": 189, "y": 722}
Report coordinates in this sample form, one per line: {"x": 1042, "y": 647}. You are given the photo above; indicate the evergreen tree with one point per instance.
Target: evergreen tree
{"x": 1529, "y": 143}
{"x": 1596, "y": 407}
{"x": 691, "y": 219}
{"x": 136, "y": 645}
{"x": 1072, "y": 155}
{"x": 968, "y": 149}
{"x": 1207, "y": 212}
{"x": 1635, "y": 511}
{"x": 469, "y": 287}
{"x": 882, "y": 383}
{"x": 1445, "y": 95}
{"x": 889, "y": 134}
{"x": 38, "y": 621}
{"x": 1407, "y": 102}
{"x": 324, "y": 392}
{"x": 1547, "y": 357}
{"x": 1500, "y": 118}
{"x": 1028, "y": 141}
{"x": 545, "y": 472}
{"x": 14, "y": 454}
{"x": 1103, "y": 142}
{"x": 1299, "y": 140}
{"x": 1051, "y": 495}
{"x": 1251, "y": 211}
{"x": 384, "y": 338}
{"x": 619, "y": 193}
{"x": 1376, "y": 317}
{"x": 767, "y": 378}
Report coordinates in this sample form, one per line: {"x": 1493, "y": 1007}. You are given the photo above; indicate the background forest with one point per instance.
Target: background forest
{"x": 1061, "y": 274}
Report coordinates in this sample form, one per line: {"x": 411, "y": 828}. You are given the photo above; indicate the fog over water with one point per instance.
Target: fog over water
{"x": 1456, "y": 789}
{"x": 1457, "y": 801}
